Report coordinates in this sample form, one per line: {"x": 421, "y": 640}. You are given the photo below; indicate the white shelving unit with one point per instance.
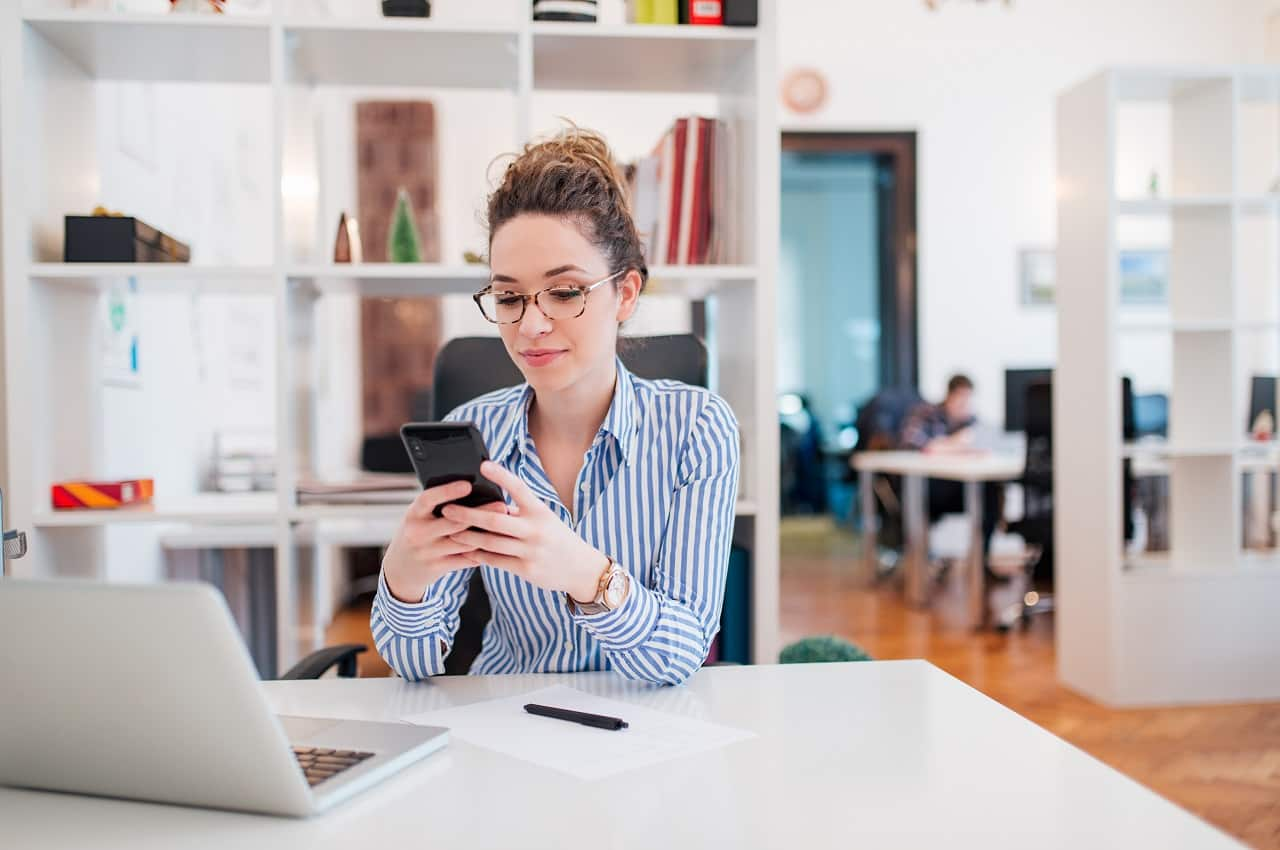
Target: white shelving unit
{"x": 52, "y": 62}
{"x": 1197, "y": 623}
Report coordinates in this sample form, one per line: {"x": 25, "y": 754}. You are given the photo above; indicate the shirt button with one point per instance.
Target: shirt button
{"x": 585, "y": 487}
{"x": 568, "y": 645}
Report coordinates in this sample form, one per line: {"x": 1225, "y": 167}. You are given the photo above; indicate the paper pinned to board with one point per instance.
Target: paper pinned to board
{"x": 652, "y": 737}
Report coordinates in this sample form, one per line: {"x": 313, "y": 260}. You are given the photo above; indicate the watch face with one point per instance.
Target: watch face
{"x": 614, "y": 589}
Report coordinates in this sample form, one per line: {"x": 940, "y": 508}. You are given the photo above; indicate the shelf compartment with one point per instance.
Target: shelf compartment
{"x": 391, "y": 280}
{"x": 574, "y": 57}
{"x": 157, "y": 277}
{"x": 160, "y": 47}
{"x": 206, "y": 508}
{"x": 402, "y": 53}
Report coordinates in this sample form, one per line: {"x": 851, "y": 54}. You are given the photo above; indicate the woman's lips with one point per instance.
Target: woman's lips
{"x": 541, "y": 356}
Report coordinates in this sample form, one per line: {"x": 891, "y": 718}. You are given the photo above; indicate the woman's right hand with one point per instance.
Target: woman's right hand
{"x": 421, "y": 553}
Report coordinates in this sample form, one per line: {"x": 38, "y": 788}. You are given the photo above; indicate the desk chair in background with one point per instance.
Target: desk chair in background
{"x": 879, "y": 423}
{"x": 468, "y": 367}
{"x": 1036, "y": 525}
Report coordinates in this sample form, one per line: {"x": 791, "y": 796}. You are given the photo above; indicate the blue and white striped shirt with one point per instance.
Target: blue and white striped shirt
{"x": 656, "y": 493}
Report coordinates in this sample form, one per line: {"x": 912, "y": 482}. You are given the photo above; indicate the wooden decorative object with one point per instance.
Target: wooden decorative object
{"x": 396, "y": 147}
{"x": 804, "y": 90}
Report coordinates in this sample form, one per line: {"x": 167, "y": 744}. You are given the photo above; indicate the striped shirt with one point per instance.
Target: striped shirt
{"x": 656, "y": 493}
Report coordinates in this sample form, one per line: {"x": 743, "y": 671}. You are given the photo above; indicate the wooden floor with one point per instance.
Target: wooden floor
{"x": 1223, "y": 762}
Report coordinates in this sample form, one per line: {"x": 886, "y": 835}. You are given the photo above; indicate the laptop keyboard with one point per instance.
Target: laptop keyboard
{"x": 320, "y": 764}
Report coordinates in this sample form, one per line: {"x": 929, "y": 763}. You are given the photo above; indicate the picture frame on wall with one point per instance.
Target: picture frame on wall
{"x": 1037, "y": 276}
{"x": 1143, "y": 273}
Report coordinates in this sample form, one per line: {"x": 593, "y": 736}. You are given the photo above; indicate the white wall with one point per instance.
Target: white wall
{"x": 978, "y": 82}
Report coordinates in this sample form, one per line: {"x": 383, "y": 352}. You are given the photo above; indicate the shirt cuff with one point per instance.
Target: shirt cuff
{"x": 408, "y": 619}
{"x": 628, "y": 625}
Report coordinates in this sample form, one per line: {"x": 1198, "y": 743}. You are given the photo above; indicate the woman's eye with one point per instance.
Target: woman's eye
{"x": 564, "y": 294}
{"x": 506, "y": 300}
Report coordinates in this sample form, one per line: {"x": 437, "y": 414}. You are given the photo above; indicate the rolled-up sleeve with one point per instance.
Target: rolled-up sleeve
{"x": 414, "y": 638}
{"x": 662, "y": 632}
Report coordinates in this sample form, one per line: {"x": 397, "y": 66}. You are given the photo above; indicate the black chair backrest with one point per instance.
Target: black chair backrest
{"x": 1037, "y": 478}
{"x": 468, "y": 367}
{"x": 880, "y": 418}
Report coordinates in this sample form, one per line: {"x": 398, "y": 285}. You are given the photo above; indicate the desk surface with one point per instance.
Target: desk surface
{"x": 984, "y": 466}
{"x": 880, "y": 754}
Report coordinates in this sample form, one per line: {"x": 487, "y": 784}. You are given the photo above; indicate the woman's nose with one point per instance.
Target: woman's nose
{"x": 534, "y": 323}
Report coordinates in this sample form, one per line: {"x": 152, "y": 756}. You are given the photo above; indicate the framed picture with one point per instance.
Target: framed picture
{"x": 1037, "y": 276}
{"x": 1144, "y": 277}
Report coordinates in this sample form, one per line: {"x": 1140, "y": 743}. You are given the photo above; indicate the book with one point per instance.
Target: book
{"x": 700, "y": 227}
{"x": 102, "y": 495}
{"x": 666, "y": 11}
{"x": 680, "y": 194}
{"x": 705, "y": 12}
{"x": 688, "y": 192}
{"x": 666, "y": 188}
{"x": 681, "y": 134}
{"x": 388, "y": 489}
{"x": 641, "y": 11}
{"x": 645, "y": 199}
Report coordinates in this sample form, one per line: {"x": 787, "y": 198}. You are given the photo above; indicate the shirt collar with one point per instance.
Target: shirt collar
{"x": 621, "y": 422}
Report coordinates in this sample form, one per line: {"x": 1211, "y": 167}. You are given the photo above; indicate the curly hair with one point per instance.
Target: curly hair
{"x": 572, "y": 176}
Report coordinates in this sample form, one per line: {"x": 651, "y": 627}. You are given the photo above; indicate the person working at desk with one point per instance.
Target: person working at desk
{"x": 948, "y": 428}
{"x": 613, "y": 551}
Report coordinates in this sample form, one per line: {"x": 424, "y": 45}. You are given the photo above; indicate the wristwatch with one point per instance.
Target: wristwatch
{"x": 615, "y": 584}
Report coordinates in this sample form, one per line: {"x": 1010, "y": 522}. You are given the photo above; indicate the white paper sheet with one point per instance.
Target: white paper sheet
{"x": 651, "y": 737}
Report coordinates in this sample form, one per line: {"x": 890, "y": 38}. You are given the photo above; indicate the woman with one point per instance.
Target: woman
{"x": 612, "y": 551}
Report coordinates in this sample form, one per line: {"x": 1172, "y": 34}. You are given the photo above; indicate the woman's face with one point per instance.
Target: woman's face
{"x": 533, "y": 252}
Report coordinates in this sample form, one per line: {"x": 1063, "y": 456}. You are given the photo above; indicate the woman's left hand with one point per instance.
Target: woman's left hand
{"x": 529, "y": 541}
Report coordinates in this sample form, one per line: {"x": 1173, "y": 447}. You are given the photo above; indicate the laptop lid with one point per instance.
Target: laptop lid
{"x": 137, "y": 691}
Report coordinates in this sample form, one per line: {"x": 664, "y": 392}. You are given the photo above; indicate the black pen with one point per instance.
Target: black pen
{"x": 599, "y": 721}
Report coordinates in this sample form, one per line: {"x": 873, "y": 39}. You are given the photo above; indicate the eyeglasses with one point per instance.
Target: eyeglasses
{"x": 558, "y": 303}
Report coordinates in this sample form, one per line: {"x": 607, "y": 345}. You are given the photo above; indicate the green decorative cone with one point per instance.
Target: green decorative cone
{"x": 403, "y": 245}
{"x": 822, "y": 648}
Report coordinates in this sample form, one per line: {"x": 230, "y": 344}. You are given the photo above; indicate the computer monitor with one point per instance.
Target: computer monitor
{"x": 1016, "y": 382}
{"x": 1262, "y": 397}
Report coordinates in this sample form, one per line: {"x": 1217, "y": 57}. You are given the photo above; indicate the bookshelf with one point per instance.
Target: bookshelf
{"x": 1195, "y": 623}
{"x": 70, "y": 81}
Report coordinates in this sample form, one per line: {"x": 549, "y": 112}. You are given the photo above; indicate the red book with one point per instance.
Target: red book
{"x": 102, "y": 494}
{"x": 701, "y": 224}
{"x": 681, "y": 135}
{"x": 706, "y": 12}
{"x": 689, "y": 195}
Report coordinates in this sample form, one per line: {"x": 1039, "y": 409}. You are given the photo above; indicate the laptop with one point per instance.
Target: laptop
{"x": 147, "y": 692}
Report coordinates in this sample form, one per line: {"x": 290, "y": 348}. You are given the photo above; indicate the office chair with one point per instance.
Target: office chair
{"x": 468, "y": 367}
{"x": 1036, "y": 525}
{"x": 879, "y": 424}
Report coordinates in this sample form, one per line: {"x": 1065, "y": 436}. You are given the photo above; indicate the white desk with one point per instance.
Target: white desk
{"x": 916, "y": 468}
{"x": 880, "y": 754}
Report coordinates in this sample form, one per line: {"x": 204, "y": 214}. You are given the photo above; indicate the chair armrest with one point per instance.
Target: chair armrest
{"x": 318, "y": 663}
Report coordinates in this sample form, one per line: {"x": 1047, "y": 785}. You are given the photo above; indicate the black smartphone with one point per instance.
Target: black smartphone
{"x": 444, "y": 452}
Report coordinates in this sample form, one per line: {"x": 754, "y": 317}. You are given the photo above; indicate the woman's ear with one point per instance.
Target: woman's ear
{"x": 629, "y": 293}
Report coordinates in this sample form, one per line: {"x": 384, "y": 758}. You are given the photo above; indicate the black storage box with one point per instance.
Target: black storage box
{"x": 741, "y": 13}
{"x": 406, "y": 8}
{"x": 579, "y": 11}
{"x": 118, "y": 239}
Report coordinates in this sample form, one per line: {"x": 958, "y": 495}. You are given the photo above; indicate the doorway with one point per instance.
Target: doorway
{"x": 846, "y": 300}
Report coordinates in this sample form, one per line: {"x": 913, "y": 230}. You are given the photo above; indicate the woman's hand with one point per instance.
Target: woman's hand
{"x": 422, "y": 552}
{"x": 529, "y": 541}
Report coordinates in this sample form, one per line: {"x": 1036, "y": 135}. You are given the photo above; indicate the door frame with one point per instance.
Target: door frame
{"x": 900, "y": 356}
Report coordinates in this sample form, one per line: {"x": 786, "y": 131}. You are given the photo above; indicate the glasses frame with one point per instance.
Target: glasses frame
{"x": 525, "y": 299}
